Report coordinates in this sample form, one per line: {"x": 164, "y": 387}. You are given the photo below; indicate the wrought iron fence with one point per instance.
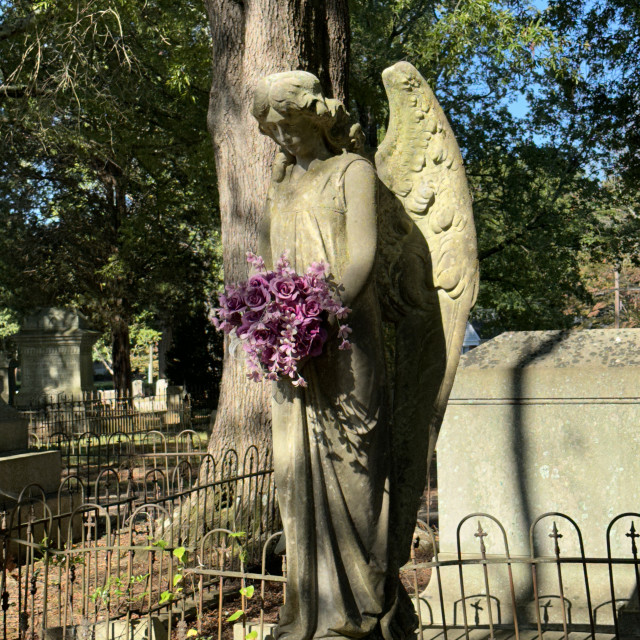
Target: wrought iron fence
{"x": 553, "y": 591}
{"x": 87, "y": 455}
{"x": 233, "y": 491}
{"x": 103, "y": 413}
{"x": 139, "y": 572}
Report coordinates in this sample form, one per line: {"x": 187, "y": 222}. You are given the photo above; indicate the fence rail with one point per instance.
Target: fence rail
{"x": 87, "y": 455}
{"x": 104, "y": 413}
{"x": 200, "y": 494}
{"x": 120, "y": 574}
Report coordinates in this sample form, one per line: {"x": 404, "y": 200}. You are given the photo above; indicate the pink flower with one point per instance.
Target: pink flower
{"x": 284, "y": 288}
{"x": 318, "y": 269}
{"x": 344, "y": 331}
{"x": 256, "y": 298}
{"x": 311, "y": 308}
{"x": 342, "y": 312}
{"x": 279, "y": 317}
{"x": 255, "y": 261}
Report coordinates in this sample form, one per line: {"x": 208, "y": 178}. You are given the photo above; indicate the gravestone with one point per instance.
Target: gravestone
{"x": 4, "y": 378}
{"x": 20, "y": 466}
{"x": 161, "y": 395}
{"x": 161, "y": 387}
{"x": 55, "y": 355}
{"x": 538, "y": 422}
{"x": 137, "y": 389}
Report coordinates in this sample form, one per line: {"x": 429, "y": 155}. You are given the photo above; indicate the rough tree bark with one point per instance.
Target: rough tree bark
{"x": 251, "y": 39}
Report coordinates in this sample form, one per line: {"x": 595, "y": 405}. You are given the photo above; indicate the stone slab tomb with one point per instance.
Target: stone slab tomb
{"x": 20, "y": 466}
{"x": 544, "y": 421}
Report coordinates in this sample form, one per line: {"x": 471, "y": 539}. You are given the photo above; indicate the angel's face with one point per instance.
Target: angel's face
{"x": 294, "y": 133}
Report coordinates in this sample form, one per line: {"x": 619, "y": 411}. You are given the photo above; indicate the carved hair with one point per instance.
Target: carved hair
{"x": 299, "y": 92}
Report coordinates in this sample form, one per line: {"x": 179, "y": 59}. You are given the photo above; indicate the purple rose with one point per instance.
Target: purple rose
{"x": 299, "y": 316}
{"x": 258, "y": 280}
{"x": 284, "y": 288}
{"x": 265, "y": 337}
{"x": 315, "y": 348}
{"x": 234, "y": 301}
{"x": 256, "y": 298}
{"x": 311, "y": 308}
{"x": 303, "y": 285}
{"x": 249, "y": 321}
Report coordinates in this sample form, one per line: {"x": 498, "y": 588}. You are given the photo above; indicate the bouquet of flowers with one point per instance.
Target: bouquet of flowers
{"x": 279, "y": 316}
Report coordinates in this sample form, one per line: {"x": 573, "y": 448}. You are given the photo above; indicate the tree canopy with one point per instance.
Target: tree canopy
{"x": 108, "y": 196}
{"x": 107, "y": 172}
{"x": 544, "y": 104}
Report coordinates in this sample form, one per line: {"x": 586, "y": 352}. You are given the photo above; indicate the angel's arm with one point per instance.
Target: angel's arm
{"x": 360, "y": 183}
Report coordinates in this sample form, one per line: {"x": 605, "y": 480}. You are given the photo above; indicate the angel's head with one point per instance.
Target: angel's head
{"x": 291, "y": 109}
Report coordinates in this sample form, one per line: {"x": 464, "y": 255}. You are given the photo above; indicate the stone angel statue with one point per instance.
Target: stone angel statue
{"x": 351, "y": 449}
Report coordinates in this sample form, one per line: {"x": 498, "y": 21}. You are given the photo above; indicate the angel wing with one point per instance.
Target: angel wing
{"x": 427, "y": 276}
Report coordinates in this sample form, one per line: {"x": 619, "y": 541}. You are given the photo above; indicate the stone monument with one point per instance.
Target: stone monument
{"x": 538, "y": 422}
{"x": 5, "y": 379}
{"x": 348, "y": 483}
{"x": 55, "y": 355}
{"x": 20, "y": 466}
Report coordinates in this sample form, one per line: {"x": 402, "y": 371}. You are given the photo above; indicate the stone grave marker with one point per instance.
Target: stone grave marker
{"x": 55, "y": 355}
{"x": 537, "y": 422}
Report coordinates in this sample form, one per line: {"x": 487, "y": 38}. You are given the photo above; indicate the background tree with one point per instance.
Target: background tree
{"x": 109, "y": 178}
{"x": 507, "y": 74}
{"x": 250, "y": 40}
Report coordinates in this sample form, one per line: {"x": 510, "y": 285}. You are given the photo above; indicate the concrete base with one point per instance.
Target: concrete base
{"x": 116, "y": 630}
{"x": 538, "y": 422}
{"x": 254, "y": 625}
{"x": 19, "y": 469}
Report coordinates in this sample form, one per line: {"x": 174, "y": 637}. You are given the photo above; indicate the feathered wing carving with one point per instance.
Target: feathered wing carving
{"x": 427, "y": 276}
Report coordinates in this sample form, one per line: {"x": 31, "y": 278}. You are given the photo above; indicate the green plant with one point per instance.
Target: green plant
{"x": 180, "y": 553}
{"x": 246, "y": 591}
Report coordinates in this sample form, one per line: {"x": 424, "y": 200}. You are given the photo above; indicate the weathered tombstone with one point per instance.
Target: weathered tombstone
{"x": 160, "y": 403}
{"x": 20, "y": 466}
{"x": 538, "y": 422}
{"x": 161, "y": 387}
{"x": 55, "y": 355}
{"x": 4, "y": 378}
{"x": 137, "y": 390}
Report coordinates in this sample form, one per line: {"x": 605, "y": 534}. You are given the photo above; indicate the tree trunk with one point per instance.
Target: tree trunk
{"x": 121, "y": 356}
{"x": 252, "y": 39}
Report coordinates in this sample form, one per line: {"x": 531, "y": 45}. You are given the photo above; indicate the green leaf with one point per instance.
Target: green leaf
{"x": 179, "y": 553}
{"x": 192, "y": 633}
{"x": 177, "y": 578}
{"x": 235, "y": 616}
{"x": 251, "y": 635}
{"x": 165, "y": 596}
{"x": 248, "y": 592}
